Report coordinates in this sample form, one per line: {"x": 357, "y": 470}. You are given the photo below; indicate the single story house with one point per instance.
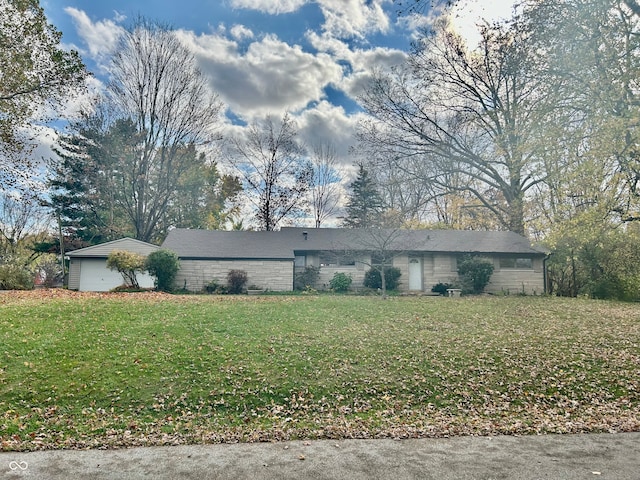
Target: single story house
{"x": 424, "y": 257}
{"x": 88, "y": 270}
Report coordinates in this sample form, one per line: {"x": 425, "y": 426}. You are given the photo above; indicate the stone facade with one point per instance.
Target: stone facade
{"x": 275, "y": 275}
{"x": 439, "y": 268}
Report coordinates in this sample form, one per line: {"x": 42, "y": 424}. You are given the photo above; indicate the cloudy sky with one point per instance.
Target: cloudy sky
{"x": 308, "y": 57}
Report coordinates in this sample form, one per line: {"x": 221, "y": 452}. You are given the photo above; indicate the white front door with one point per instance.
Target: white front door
{"x": 415, "y": 274}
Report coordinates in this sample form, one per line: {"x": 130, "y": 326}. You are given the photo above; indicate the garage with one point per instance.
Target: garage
{"x": 88, "y": 270}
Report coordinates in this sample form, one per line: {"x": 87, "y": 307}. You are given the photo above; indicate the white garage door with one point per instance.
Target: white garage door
{"x": 96, "y": 277}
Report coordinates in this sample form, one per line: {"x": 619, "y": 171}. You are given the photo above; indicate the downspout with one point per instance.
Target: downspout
{"x": 545, "y": 275}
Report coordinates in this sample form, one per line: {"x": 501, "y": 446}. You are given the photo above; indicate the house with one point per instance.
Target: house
{"x": 88, "y": 270}
{"x": 424, "y": 257}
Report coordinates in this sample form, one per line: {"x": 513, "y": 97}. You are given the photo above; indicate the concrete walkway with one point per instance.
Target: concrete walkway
{"x": 558, "y": 457}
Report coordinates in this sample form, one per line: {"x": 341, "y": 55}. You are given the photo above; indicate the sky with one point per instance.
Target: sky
{"x": 311, "y": 58}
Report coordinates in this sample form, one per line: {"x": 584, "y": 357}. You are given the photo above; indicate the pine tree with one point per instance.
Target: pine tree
{"x": 365, "y": 206}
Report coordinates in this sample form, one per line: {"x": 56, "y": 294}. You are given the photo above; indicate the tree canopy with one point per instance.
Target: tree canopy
{"x": 275, "y": 173}
{"x": 35, "y": 72}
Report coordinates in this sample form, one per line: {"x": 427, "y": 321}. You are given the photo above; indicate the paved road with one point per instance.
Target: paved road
{"x": 558, "y": 457}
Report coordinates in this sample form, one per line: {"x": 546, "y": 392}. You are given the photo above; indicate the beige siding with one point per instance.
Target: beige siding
{"x": 441, "y": 268}
{"x": 513, "y": 281}
{"x": 327, "y": 273}
{"x": 104, "y": 249}
{"x": 401, "y": 262}
{"x": 74, "y": 274}
{"x": 275, "y": 275}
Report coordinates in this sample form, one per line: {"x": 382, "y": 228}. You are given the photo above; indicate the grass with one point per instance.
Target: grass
{"x": 80, "y": 371}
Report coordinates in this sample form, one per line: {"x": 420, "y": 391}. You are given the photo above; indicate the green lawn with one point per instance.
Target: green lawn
{"x": 94, "y": 370}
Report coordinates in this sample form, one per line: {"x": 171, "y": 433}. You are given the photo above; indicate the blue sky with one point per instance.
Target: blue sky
{"x": 309, "y": 57}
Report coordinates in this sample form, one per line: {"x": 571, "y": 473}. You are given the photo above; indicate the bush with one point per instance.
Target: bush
{"x": 236, "y": 280}
{"x": 341, "y": 282}
{"x": 13, "y": 276}
{"x": 307, "y": 278}
{"x": 373, "y": 279}
{"x": 441, "y": 288}
{"x": 50, "y": 271}
{"x": 129, "y": 264}
{"x": 164, "y": 265}
{"x": 214, "y": 287}
{"x": 475, "y": 273}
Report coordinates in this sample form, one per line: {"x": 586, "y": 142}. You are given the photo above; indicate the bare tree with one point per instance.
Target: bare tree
{"x": 156, "y": 83}
{"x": 470, "y": 113}
{"x": 275, "y": 173}
{"x": 384, "y": 243}
{"x": 21, "y": 215}
{"x": 325, "y": 185}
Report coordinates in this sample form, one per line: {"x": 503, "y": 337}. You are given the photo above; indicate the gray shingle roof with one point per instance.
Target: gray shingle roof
{"x": 227, "y": 244}
{"x": 283, "y": 244}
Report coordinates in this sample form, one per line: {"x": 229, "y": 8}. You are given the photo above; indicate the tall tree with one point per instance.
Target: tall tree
{"x": 275, "y": 173}
{"x": 124, "y": 167}
{"x": 34, "y": 71}
{"x": 95, "y": 181}
{"x": 470, "y": 115}
{"x": 208, "y": 199}
{"x": 591, "y": 55}
{"x": 364, "y": 207}
{"x": 155, "y": 82}
{"x": 325, "y": 185}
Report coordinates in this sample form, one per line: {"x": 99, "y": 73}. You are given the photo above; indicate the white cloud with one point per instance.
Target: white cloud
{"x": 329, "y": 123}
{"x": 354, "y": 18}
{"x": 342, "y": 18}
{"x": 240, "y": 32}
{"x": 100, "y": 37}
{"x": 273, "y": 7}
{"x": 269, "y": 77}
{"x": 119, "y": 17}
{"x": 362, "y": 62}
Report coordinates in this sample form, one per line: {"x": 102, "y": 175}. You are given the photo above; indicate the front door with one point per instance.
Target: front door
{"x": 415, "y": 274}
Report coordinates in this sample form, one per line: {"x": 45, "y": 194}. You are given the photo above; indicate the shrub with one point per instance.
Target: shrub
{"x": 441, "y": 288}
{"x": 14, "y": 276}
{"x": 129, "y": 264}
{"x": 164, "y": 265}
{"x": 214, "y": 287}
{"x": 373, "y": 279}
{"x": 475, "y": 273}
{"x": 236, "y": 280}
{"x": 341, "y": 282}
{"x": 50, "y": 271}
{"x": 307, "y": 278}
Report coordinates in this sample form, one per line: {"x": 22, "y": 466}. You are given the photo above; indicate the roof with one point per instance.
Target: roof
{"x": 213, "y": 244}
{"x": 104, "y": 249}
{"x": 289, "y": 241}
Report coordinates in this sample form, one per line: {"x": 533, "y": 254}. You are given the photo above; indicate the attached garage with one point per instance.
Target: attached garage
{"x": 88, "y": 270}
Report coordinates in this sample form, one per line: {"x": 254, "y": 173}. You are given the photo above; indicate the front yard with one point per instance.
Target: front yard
{"x": 109, "y": 370}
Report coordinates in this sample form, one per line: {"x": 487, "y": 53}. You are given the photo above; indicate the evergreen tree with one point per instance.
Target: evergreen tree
{"x": 365, "y": 206}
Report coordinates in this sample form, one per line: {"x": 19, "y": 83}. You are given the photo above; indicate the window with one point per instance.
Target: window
{"x": 521, "y": 263}
{"x": 300, "y": 261}
{"x": 331, "y": 259}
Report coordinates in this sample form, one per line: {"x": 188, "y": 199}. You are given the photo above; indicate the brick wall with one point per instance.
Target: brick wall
{"x": 275, "y": 275}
